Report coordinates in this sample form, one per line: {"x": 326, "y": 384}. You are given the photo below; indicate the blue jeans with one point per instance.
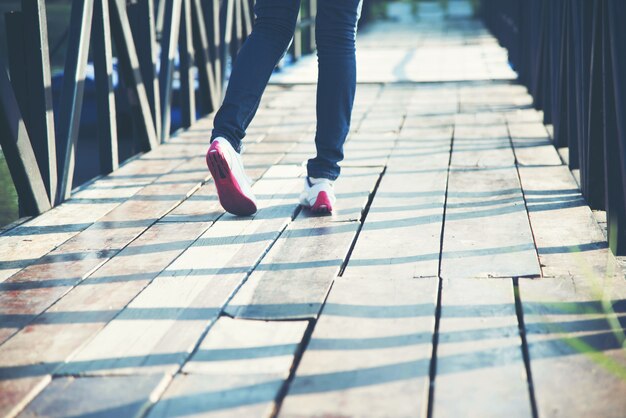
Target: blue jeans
{"x": 273, "y": 29}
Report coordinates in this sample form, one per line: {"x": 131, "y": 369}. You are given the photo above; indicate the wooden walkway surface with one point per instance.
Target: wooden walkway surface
{"x": 463, "y": 274}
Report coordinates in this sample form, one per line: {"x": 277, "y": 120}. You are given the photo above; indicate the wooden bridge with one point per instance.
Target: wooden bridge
{"x": 462, "y": 275}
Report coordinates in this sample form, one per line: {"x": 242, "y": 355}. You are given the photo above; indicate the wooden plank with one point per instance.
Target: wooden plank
{"x": 226, "y": 397}
{"x": 293, "y": 279}
{"x": 241, "y": 347}
{"x": 575, "y": 328}
{"x": 532, "y": 144}
{"x": 494, "y": 97}
{"x": 158, "y": 329}
{"x": 479, "y": 118}
{"x": 480, "y": 368}
{"x": 239, "y": 369}
{"x": 29, "y": 358}
{"x": 367, "y": 153}
{"x": 27, "y": 294}
{"x": 407, "y": 212}
{"x": 487, "y": 232}
{"x": 369, "y": 353}
{"x": 482, "y": 146}
{"x": 202, "y": 206}
{"x": 127, "y": 396}
{"x": 569, "y": 240}
{"x": 49, "y": 230}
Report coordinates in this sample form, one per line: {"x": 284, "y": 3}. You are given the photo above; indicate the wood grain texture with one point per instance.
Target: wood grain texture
{"x": 241, "y": 347}
{"x": 197, "y": 395}
{"x": 401, "y": 236}
{"x": 239, "y": 369}
{"x": 27, "y": 294}
{"x": 482, "y": 146}
{"x": 532, "y": 144}
{"x": 487, "y": 232}
{"x": 369, "y": 354}
{"x": 575, "y": 330}
{"x": 569, "y": 240}
{"x": 158, "y": 329}
{"x": 480, "y": 368}
{"x": 28, "y": 360}
{"x": 101, "y": 397}
{"x": 46, "y": 232}
{"x": 294, "y": 277}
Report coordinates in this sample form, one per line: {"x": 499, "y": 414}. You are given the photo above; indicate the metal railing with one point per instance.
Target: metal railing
{"x": 571, "y": 55}
{"x": 147, "y": 45}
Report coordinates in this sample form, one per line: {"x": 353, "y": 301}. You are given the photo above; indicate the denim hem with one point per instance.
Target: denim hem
{"x": 237, "y": 145}
{"x": 322, "y": 174}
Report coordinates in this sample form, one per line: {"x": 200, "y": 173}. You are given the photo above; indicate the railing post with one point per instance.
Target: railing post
{"x": 186, "y": 54}
{"x": 141, "y": 14}
{"x": 103, "y": 66}
{"x": 19, "y": 153}
{"x": 204, "y": 58}
{"x": 129, "y": 70}
{"x": 36, "y": 96}
{"x": 615, "y": 124}
{"x": 71, "y": 103}
{"x": 169, "y": 43}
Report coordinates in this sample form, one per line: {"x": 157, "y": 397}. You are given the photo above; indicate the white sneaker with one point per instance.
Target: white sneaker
{"x": 318, "y": 195}
{"x": 233, "y": 186}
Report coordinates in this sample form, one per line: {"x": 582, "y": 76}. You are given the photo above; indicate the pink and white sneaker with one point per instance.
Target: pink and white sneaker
{"x": 231, "y": 182}
{"x": 318, "y": 195}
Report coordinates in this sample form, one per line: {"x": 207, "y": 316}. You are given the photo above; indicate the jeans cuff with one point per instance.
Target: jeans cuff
{"x": 322, "y": 174}
{"x": 237, "y": 145}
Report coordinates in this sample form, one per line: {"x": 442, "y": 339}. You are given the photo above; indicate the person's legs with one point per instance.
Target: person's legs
{"x": 335, "y": 33}
{"x": 273, "y": 29}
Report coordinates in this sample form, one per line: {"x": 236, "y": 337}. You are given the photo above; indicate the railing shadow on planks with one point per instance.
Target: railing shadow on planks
{"x": 158, "y": 45}
{"x": 570, "y": 54}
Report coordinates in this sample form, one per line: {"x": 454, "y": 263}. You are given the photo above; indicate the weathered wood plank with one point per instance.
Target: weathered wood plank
{"x": 158, "y": 329}
{"x": 127, "y": 396}
{"x": 494, "y": 97}
{"x": 29, "y": 358}
{"x": 487, "y": 232}
{"x": 401, "y": 236}
{"x": 574, "y": 245}
{"x": 26, "y": 294}
{"x": 369, "y": 354}
{"x": 196, "y": 395}
{"x": 480, "y": 368}
{"x": 575, "y": 330}
{"x": 293, "y": 279}
{"x": 482, "y": 146}
{"x": 532, "y": 144}
{"x": 239, "y": 369}
{"x": 368, "y": 153}
{"x": 46, "y": 232}
{"x": 235, "y": 346}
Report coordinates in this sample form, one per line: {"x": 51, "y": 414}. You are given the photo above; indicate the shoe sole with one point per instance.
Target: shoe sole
{"x": 322, "y": 204}
{"x": 231, "y": 197}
